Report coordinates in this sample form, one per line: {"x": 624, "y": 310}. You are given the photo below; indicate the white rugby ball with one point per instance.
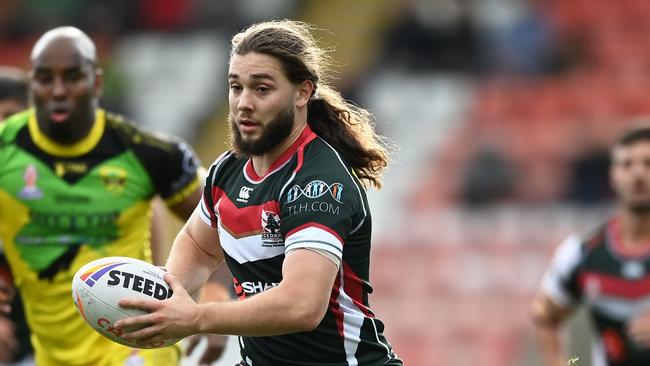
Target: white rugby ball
{"x": 98, "y": 286}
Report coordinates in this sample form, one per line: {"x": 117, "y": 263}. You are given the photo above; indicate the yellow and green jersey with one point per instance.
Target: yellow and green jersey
{"x": 64, "y": 206}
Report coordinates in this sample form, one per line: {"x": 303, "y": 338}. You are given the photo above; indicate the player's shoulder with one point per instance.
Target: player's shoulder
{"x": 226, "y": 158}
{"x": 322, "y": 170}
{"x": 594, "y": 237}
{"x": 10, "y": 128}
{"x": 581, "y": 244}
{"x": 135, "y": 135}
{"x": 168, "y": 159}
{"x": 321, "y": 159}
{"x": 571, "y": 246}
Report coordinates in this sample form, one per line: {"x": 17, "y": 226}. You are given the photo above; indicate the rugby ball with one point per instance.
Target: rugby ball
{"x": 98, "y": 286}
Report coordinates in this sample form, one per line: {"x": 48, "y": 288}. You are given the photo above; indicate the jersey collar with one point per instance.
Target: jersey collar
{"x": 305, "y": 136}
{"x": 76, "y": 149}
{"x": 616, "y": 242}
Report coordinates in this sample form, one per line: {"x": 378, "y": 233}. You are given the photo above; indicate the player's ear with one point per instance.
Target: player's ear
{"x": 98, "y": 86}
{"x": 304, "y": 92}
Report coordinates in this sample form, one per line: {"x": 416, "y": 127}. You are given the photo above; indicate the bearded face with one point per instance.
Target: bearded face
{"x": 270, "y": 136}
{"x": 630, "y": 175}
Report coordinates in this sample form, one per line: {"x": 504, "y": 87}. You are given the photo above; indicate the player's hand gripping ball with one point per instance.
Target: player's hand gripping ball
{"x": 99, "y": 285}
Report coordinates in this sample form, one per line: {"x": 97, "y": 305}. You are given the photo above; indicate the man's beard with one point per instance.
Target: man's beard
{"x": 74, "y": 129}
{"x": 639, "y": 208}
{"x": 272, "y": 134}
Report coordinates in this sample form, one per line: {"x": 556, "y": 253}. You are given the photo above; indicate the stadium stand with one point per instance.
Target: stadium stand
{"x": 475, "y": 266}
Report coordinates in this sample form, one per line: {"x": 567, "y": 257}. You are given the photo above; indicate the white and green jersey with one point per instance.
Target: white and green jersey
{"x": 64, "y": 206}
{"x": 310, "y": 198}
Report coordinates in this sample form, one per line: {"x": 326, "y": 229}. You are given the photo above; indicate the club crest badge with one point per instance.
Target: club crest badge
{"x": 114, "y": 179}
{"x": 271, "y": 235}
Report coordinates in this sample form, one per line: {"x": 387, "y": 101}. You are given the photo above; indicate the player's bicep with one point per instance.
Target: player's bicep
{"x": 195, "y": 254}
{"x": 546, "y": 311}
{"x": 202, "y": 235}
{"x": 559, "y": 292}
{"x": 560, "y": 281}
{"x": 308, "y": 277}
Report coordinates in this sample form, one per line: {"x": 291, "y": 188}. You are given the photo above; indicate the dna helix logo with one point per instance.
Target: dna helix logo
{"x": 315, "y": 189}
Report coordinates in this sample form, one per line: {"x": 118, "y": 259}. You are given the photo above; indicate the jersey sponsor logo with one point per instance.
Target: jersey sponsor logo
{"x": 114, "y": 179}
{"x": 315, "y": 189}
{"x": 244, "y": 194}
{"x": 62, "y": 168}
{"x": 30, "y": 191}
{"x": 76, "y": 222}
{"x": 249, "y": 288}
{"x": 271, "y": 236}
{"x": 315, "y": 206}
{"x": 71, "y": 198}
{"x": 92, "y": 275}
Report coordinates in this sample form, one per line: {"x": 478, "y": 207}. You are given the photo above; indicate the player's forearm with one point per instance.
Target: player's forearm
{"x": 551, "y": 346}
{"x": 549, "y": 317}
{"x": 272, "y": 312}
{"x": 188, "y": 263}
{"x": 217, "y": 287}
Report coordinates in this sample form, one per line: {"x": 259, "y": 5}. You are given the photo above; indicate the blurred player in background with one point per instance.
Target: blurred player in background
{"x": 75, "y": 185}
{"x": 607, "y": 270}
{"x": 15, "y": 348}
{"x": 286, "y": 207}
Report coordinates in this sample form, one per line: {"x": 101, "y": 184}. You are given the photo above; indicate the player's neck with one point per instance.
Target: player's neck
{"x": 635, "y": 229}
{"x": 262, "y": 163}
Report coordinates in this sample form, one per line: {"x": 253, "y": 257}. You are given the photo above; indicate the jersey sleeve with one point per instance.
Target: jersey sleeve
{"x": 560, "y": 280}
{"x": 172, "y": 164}
{"x": 206, "y": 206}
{"x": 320, "y": 209}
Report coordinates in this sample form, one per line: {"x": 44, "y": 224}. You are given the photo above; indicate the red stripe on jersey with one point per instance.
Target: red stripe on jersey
{"x": 301, "y": 150}
{"x": 353, "y": 286}
{"x": 244, "y": 221}
{"x": 335, "y": 306}
{"x": 301, "y": 157}
{"x": 305, "y": 137}
{"x": 317, "y": 225}
{"x": 614, "y": 286}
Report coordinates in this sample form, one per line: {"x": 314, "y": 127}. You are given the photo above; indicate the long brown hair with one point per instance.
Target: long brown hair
{"x": 347, "y": 127}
